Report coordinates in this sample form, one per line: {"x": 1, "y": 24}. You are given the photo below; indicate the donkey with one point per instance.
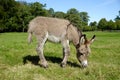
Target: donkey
{"x": 59, "y": 31}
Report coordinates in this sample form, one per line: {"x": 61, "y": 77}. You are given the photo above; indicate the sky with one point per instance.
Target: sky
{"x": 96, "y": 9}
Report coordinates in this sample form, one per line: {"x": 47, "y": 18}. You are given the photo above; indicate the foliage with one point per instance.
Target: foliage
{"x": 87, "y": 28}
{"x": 93, "y": 25}
{"x": 51, "y": 12}
{"x": 7, "y": 10}
{"x": 117, "y": 21}
{"x": 59, "y": 14}
{"x": 79, "y": 19}
{"x": 104, "y": 61}
{"x": 117, "y": 17}
{"x": 37, "y": 9}
{"x": 15, "y": 16}
{"x": 102, "y": 24}
{"x": 84, "y": 17}
{"x": 111, "y": 25}
{"x": 74, "y": 17}
{"x": 117, "y": 24}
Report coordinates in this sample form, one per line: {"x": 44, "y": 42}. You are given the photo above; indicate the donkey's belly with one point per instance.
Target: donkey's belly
{"x": 54, "y": 38}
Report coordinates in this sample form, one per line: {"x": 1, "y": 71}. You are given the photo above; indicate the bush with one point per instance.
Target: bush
{"x": 118, "y": 24}
{"x": 87, "y": 28}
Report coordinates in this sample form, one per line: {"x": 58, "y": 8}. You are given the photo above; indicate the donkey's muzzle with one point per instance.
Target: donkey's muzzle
{"x": 84, "y": 64}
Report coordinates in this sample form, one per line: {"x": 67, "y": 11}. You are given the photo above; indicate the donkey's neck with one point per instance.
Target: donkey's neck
{"x": 74, "y": 35}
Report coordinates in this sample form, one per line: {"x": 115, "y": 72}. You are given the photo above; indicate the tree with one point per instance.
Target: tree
{"x": 117, "y": 22}
{"x": 78, "y": 19}
{"x": 2, "y": 12}
{"x": 93, "y": 25}
{"x": 87, "y": 28}
{"x": 37, "y": 9}
{"x": 84, "y": 17}
{"x": 15, "y": 15}
{"x": 8, "y": 10}
{"x": 73, "y": 11}
{"x": 59, "y": 15}
{"x": 51, "y": 12}
{"x": 2, "y": 15}
{"x": 73, "y": 16}
{"x": 102, "y": 24}
{"x": 23, "y": 17}
{"x": 111, "y": 25}
{"x": 117, "y": 17}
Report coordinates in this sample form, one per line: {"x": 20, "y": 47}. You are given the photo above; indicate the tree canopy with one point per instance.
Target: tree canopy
{"x": 15, "y": 16}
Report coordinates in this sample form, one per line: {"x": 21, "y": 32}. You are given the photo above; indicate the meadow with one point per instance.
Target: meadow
{"x": 19, "y": 61}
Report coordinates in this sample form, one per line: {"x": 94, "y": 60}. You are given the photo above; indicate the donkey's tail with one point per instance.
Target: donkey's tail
{"x": 29, "y": 37}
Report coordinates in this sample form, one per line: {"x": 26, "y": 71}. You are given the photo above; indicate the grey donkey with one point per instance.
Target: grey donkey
{"x": 59, "y": 31}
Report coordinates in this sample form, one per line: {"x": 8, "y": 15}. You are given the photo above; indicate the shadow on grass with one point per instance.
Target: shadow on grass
{"x": 35, "y": 60}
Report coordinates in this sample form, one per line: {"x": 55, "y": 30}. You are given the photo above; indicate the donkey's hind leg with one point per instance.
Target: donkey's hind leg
{"x": 41, "y": 41}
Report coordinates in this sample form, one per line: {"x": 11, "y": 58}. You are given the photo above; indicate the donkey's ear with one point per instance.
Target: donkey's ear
{"x": 83, "y": 39}
{"x": 92, "y": 39}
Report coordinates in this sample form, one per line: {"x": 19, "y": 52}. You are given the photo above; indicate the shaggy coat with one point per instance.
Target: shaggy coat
{"x": 62, "y": 31}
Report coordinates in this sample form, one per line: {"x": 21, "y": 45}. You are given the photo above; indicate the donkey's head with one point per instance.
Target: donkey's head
{"x": 83, "y": 49}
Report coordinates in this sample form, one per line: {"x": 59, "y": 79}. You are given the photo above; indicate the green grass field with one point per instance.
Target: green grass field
{"x": 19, "y": 61}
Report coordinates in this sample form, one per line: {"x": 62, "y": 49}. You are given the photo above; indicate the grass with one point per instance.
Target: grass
{"x": 19, "y": 61}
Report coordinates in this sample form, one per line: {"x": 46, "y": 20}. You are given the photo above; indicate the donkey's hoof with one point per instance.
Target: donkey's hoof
{"x": 44, "y": 65}
{"x": 63, "y": 65}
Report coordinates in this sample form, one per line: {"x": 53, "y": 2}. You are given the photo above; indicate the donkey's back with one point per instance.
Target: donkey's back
{"x": 40, "y": 24}
{"x": 53, "y": 28}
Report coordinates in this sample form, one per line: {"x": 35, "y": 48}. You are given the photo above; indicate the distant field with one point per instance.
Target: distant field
{"x": 19, "y": 61}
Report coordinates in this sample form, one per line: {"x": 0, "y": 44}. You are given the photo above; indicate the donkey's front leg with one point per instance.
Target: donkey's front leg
{"x": 66, "y": 52}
